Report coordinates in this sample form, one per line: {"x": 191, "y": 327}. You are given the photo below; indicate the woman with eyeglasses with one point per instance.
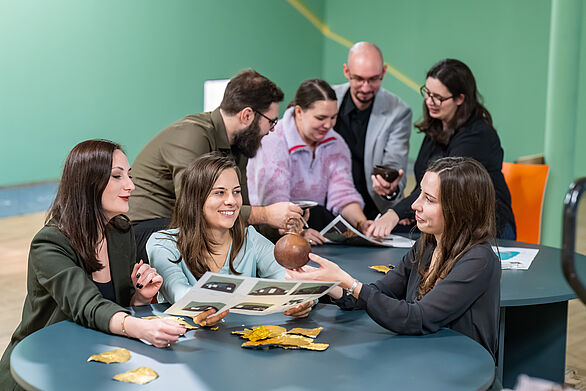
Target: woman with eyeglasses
{"x": 304, "y": 159}
{"x": 455, "y": 123}
{"x": 82, "y": 263}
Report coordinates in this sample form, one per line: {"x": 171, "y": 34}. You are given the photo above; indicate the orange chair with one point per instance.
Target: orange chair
{"x": 526, "y": 183}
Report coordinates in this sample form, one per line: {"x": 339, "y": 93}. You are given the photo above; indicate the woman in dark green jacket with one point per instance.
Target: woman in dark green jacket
{"x": 81, "y": 263}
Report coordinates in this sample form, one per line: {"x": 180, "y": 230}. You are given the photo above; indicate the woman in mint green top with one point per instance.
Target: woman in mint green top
{"x": 255, "y": 259}
{"x": 207, "y": 233}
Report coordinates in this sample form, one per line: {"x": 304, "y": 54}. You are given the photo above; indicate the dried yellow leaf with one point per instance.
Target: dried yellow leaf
{"x": 140, "y": 375}
{"x": 316, "y": 346}
{"x": 277, "y": 336}
{"x": 306, "y": 332}
{"x": 263, "y": 332}
{"x": 382, "y": 268}
{"x": 177, "y": 319}
{"x": 295, "y": 340}
{"x": 116, "y": 355}
{"x": 242, "y": 332}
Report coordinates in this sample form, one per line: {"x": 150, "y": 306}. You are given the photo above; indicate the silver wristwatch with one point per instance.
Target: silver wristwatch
{"x": 353, "y": 287}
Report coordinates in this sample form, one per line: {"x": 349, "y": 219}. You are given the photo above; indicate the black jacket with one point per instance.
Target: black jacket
{"x": 478, "y": 140}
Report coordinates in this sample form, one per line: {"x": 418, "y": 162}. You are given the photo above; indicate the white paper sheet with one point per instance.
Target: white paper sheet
{"x": 516, "y": 257}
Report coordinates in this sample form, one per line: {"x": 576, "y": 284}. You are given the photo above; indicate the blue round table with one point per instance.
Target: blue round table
{"x": 361, "y": 356}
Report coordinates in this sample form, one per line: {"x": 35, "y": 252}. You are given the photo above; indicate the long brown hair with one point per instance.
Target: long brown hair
{"x": 193, "y": 239}
{"x": 459, "y": 80}
{"x": 77, "y": 209}
{"x": 468, "y": 207}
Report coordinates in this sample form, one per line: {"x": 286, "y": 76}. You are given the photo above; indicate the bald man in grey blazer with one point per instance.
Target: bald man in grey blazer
{"x": 376, "y": 125}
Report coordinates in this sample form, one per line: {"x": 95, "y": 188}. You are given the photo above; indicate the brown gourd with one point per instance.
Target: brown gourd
{"x": 292, "y": 250}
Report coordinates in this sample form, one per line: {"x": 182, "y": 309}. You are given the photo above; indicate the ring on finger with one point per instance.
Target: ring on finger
{"x": 310, "y": 241}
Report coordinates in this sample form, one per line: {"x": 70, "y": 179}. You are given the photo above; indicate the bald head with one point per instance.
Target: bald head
{"x": 365, "y": 70}
{"x": 365, "y": 49}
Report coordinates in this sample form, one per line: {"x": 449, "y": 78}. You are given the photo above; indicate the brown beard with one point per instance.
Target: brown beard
{"x": 248, "y": 141}
{"x": 365, "y": 101}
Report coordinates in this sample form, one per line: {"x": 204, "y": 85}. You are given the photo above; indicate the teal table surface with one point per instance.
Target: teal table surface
{"x": 534, "y": 306}
{"x": 361, "y": 356}
{"x": 542, "y": 283}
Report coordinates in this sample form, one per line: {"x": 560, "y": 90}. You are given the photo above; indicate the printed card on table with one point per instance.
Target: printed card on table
{"x": 247, "y": 295}
{"x": 516, "y": 257}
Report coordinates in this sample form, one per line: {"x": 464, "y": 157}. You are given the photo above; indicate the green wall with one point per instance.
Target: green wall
{"x": 74, "y": 70}
{"x": 580, "y": 146}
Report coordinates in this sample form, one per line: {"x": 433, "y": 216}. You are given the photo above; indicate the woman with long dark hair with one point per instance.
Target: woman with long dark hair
{"x": 304, "y": 159}
{"x": 81, "y": 264}
{"x": 451, "y": 276}
{"x": 207, "y": 233}
{"x": 455, "y": 123}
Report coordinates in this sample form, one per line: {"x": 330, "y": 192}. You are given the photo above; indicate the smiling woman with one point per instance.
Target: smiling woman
{"x": 117, "y": 192}
{"x": 82, "y": 262}
{"x": 207, "y": 233}
{"x": 304, "y": 159}
{"x": 222, "y": 207}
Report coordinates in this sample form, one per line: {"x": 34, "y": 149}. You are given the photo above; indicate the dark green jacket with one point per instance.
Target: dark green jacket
{"x": 59, "y": 288}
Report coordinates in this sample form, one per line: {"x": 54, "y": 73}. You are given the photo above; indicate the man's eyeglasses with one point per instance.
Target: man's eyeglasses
{"x": 371, "y": 80}
{"x": 436, "y": 99}
{"x": 272, "y": 122}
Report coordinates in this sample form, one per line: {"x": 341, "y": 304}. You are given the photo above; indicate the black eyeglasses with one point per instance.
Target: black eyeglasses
{"x": 272, "y": 122}
{"x": 436, "y": 99}
{"x": 371, "y": 80}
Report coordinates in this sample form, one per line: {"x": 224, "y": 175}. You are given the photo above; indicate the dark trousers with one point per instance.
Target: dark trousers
{"x": 143, "y": 231}
{"x": 507, "y": 233}
{"x": 319, "y": 217}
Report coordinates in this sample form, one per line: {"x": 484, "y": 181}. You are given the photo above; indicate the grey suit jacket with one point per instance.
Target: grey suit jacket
{"x": 387, "y": 138}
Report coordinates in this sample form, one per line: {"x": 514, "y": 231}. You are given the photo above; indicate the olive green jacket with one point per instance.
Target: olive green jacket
{"x": 59, "y": 288}
{"x": 158, "y": 168}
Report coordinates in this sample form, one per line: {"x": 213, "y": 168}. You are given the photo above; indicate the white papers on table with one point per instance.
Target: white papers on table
{"x": 341, "y": 232}
{"x": 247, "y": 295}
{"x": 516, "y": 257}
